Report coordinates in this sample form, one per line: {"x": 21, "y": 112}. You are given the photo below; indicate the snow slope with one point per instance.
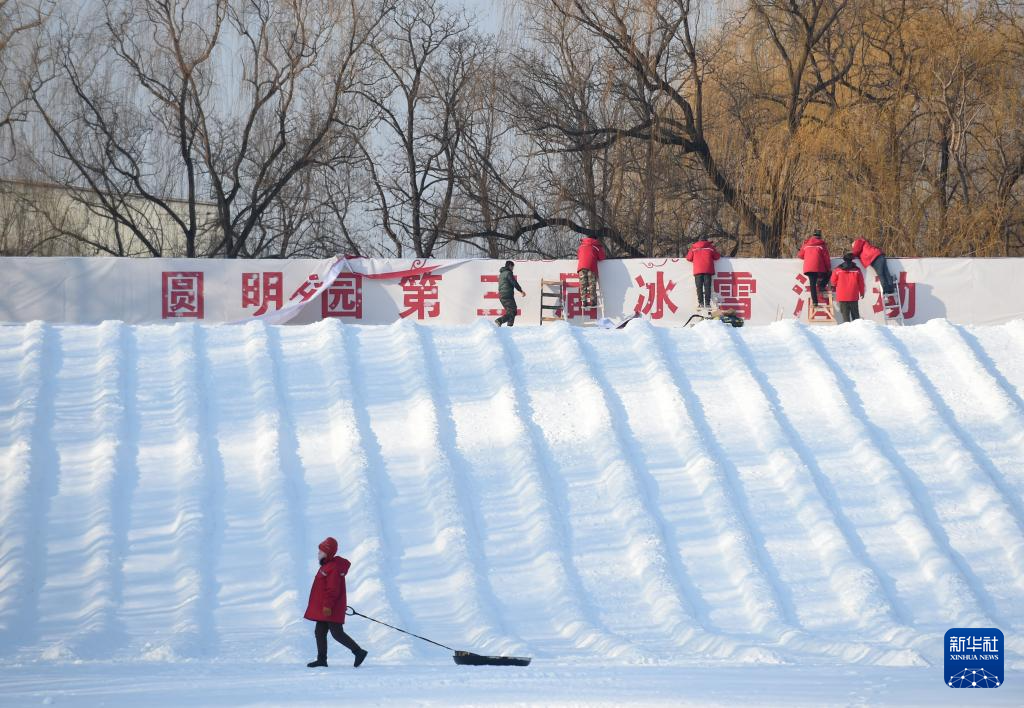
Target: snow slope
{"x": 782, "y": 513}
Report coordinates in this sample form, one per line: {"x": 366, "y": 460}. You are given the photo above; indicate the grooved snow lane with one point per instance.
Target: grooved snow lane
{"x": 831, "y": 590}
{"x": 436, "y": 576}
{"x": 991, "y": 423}
{"x": 21, "y": 382}
{"x": 993, "y": 502}
{"x": 692, "y": 491}
{"x": 527, "y": 558}
{"x": 1002, "y": 346}
{"x": 867, "y": 477}
{"x": 256, "y": 612}
{"x": 943, "y": 474}
{"x": 170, "y": 579}
{"x": 641, "y": 432}
{"x": 84, "y": 573}
{"x": 341, "y": 501}
{"x": 615, "y": 544}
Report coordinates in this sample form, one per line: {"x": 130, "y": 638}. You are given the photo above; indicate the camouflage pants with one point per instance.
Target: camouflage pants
{"x": 509, "y": 318}
{"x": 588, "y": 286}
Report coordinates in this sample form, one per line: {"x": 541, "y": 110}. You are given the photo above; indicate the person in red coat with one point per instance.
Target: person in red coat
{"x": 327, "y": 603}
{"x": 849, "y": 285}
{"x": 873, "y": 256}
{"x": 703, "y": 255}
{"x": 817, "y": 264}
{"x": 588, "y": 255}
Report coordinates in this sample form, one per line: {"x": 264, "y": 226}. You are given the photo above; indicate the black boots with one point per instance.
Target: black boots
{"x": 360, "y": 656}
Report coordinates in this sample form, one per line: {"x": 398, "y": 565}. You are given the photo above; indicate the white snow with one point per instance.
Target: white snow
{"x": 777, "y": 515}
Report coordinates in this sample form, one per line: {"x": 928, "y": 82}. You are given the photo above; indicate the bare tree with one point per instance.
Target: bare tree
{"x": 208, "y": 101}
{"x": 20, "y": 22}
{"x": 426, "y": 60}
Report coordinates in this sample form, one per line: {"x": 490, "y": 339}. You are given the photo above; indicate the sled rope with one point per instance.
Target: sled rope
{"x": 351, "y": 611}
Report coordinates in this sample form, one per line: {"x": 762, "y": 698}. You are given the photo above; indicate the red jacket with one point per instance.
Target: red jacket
{"x": 703, "y": 256}
{"x": 815, "y": 255}
{"x": 849, "y": 284}
{"x": 329, "y": 591}
{"x": 867, "y": 253}
{"x": 589, "y": 253}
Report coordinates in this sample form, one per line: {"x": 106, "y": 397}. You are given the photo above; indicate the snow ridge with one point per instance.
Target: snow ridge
{"x": 775, "y": 495}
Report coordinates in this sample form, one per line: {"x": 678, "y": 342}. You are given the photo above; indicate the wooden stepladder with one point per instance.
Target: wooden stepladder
{"x": 552, "y": 299}
{"x": 824, "y": 312}
{"x": 555, "y": 300}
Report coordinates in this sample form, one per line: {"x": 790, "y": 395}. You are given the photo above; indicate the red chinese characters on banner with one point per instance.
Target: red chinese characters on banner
{"x": 262, "y": 290}
{"x": 802, "y": 290}
{"x": 344, "y": 298}
{"x": 734, "y": 291}
{"x": 182, "y": 294}
{"x": 573, "y": 298}
{"x": 420, "y": 296}
{"x": 308, "y": 289}
{"x": 493, "y": 295}
{"x": 656, "y": 299}
{"x": 908, "y": 297}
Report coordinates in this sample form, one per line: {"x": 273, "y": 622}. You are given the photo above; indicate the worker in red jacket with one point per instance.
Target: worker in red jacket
{"x": 588, "y": 255}
{"x": 873, "y": 256}
{"x": 327, "y": 603}
{"x": 849, "y": 285}
{"x": 817, "y": 264}
{"x": 703, "y": 255}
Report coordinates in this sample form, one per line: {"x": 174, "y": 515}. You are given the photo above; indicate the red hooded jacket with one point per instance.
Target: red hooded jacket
{"x": 849, "y": 284}
{"x": 815, "y": 255}
{"x": 589, "y": 253}
{"x": 329, "y": 586}
{"x": 703, "y": 255}
{"x": 867, "y": 253}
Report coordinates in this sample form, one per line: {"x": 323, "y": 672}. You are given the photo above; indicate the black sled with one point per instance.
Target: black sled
{"x": 462, "y": 658}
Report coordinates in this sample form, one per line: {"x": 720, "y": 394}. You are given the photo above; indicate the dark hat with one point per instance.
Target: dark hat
{"x": 510, "y": 264}
{"x": 848, "y": 257}
{"x": 817, "y": 232}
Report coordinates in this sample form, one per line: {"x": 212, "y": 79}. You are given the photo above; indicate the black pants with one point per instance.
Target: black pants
{"x": 337, "y": 630}
{"x": 850, "y": 311}
{"x": 509, "y": 318}
{"x": 817, "y": 282}
{"x": 703, "y": 281}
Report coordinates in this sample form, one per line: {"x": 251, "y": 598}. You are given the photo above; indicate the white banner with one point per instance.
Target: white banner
{"x": 380, "y": 291}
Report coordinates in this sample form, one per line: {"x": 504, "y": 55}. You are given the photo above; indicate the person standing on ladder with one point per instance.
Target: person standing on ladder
{"x": 507, "y": 286}
{"x": 588, "y": 255}
{"x": 703, "y": 255}
{"x": 849, "y": 285}
{"x": 873, "y": 256}
{"x": 327, "y": 603}
{"x": 817, "y": 264}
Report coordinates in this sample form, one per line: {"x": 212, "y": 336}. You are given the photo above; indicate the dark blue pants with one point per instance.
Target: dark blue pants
{"x": 883, "y": 275}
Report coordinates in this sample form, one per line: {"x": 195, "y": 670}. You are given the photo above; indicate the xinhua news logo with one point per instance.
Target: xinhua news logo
{"x": 974, "y": 658}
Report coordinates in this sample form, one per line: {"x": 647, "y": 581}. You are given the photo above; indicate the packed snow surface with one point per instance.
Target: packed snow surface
{"x": 773, "y": 515}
